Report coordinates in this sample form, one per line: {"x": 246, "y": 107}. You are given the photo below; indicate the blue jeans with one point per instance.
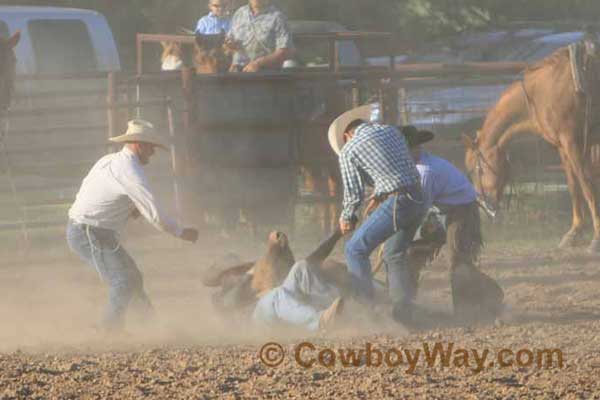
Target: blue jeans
{"x": 299, "y": 301}
{"x": 379, "y": 228}
{"x": 101, "y": 250}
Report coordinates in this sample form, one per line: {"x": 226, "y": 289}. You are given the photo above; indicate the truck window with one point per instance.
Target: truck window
{"x": 4, "y": 30}
{"x": 62, "y": 47}
{"x": 317, "y": 54}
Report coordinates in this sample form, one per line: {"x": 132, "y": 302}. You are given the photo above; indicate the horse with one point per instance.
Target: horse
{"x": 171, "y": 58}
{"x": 210, "y": 55}
{"x": 545, "y": 103}
{"x": 8, "y": 63}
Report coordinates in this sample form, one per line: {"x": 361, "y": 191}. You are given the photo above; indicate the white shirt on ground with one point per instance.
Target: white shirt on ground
{"x": 115, "y": 186}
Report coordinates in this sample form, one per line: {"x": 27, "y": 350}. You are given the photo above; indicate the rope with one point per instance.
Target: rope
{"x": 379, "y": 262}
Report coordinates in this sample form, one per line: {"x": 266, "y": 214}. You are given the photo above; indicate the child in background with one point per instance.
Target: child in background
{"x": 217, "y": 20}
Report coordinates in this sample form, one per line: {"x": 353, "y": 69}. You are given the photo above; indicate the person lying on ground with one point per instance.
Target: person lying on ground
{"x": 308, "y": 297}
{"x": 311, "y": 286}
{"x": 241, "y": 284}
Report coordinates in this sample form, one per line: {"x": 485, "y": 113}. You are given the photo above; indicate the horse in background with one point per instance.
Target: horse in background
{"x": 172, "y": 56}
{"x": 546, "y": 103}
{"x": 8, "y": 63}
{"x": 210, "y": 55}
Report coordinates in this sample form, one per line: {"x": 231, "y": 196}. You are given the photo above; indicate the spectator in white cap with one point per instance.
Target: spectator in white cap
{"x": 116, "y": 189}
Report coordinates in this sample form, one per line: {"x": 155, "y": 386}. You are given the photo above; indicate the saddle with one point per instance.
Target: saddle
{"x": 582, "y": 57}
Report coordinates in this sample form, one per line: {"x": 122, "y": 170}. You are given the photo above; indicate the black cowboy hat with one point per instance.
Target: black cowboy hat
{"x": 414, "y": 136}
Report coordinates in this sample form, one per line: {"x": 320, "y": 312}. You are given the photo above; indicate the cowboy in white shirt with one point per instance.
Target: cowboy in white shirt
{"x": 115, "y": 189}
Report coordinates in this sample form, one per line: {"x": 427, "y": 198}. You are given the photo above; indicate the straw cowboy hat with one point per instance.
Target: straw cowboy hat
{"x": 139, "y": 130}
{"x": 415, "y": 137}
{"x": 339, "y": 125}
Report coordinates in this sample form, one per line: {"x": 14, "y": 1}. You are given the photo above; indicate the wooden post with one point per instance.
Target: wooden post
{"x": 392, "y": 109}
{"x": 128, "y": 101}
{"x": 391, "y": 54}
{"x": 181, "y": 156}
{"x": 176, "y": 159}
{"x": 111, "y": 103}
{"x": 403, "y": 106}
{"x": 388, "y": 97}
{"x": 140, "y": 69}
{"x": 332, "y": 55}
{"x": 336, "y": 56}
{"x": 189, "y": 104}
{"x": 295, "y": 155}
{"x": 140, "y": 54}
{"x": 356, "y": 94}
{"x": 138, "y": 97}
{"x": 177, "y": 146}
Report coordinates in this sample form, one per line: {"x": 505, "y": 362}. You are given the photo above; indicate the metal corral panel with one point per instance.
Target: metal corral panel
{"x": 241, "y": 149}
{"x": 243, "y": 123}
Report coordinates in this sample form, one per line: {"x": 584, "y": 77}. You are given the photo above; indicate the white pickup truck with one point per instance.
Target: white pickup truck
{"x": 56, "y": 40}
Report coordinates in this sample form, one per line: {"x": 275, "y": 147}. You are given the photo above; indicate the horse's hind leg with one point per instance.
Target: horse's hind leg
{"x": 312, "y": 184}
{"x": 574, "y": 234}
{"x": 584, "y": 180}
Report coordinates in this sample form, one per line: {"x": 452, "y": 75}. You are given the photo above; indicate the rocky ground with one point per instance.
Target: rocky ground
{"x": 50, "y": 349}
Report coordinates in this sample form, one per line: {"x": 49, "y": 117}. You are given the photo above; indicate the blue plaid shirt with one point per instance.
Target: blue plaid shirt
{"x": 378, "y": 156}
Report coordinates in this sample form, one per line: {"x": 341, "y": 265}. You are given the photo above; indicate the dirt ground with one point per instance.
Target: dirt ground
{"x": 49, "y": 348}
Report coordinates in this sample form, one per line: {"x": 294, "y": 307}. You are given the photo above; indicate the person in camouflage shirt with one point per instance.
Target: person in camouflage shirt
{"x": 259, "y": 37}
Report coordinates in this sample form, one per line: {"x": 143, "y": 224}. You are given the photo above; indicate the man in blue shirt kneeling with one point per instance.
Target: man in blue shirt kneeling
{"x": 474, "y": 294}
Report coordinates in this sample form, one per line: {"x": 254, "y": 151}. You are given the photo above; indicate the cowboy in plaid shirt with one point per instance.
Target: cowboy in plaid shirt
{"x": 377, "y": 155}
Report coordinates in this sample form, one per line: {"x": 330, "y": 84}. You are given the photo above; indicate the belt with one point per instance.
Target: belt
{"x": 375, "y": 201}
{"x": 93, "y": 227}
{"x": 104, "y": 235}
{"x": 402, "y": 190}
